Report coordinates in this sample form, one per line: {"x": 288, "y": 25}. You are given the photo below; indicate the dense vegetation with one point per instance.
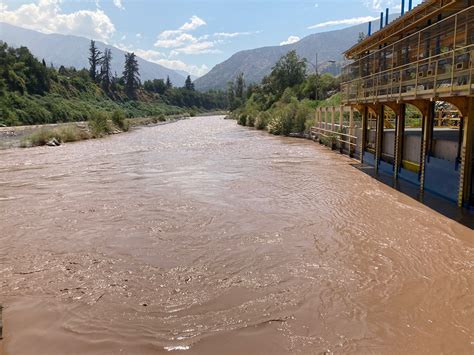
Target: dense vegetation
{"x": 33, "y": 93}
{"x": 285, "y": 100}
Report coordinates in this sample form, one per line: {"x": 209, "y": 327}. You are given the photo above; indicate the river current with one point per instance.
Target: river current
{"x": 203, "y": 237}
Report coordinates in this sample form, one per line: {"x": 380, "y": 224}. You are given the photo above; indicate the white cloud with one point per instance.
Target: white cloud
{"x": 46, "y": 16}
{"x": 138, "y": 35}
{"x": 232, "y": 34}
{"x": 180, "y": 41}
{"x": 316, "y": 5}
{"x": 290, "y": 40}
{"x": 348, "y": 21}
{"x": 194, "y": 23}
{"x": 179, "y": 65}
{"x": 197, "y": 48}
{"x": 149, "y": 54}
{"x": 118, "y": 3}
{"x": 174, "y": 41}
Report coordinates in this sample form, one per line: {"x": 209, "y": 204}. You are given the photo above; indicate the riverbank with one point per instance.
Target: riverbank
{"x": 35, "y": 135}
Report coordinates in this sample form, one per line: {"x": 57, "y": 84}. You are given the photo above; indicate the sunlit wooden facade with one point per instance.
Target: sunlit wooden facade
{"x": 420, "y": 59}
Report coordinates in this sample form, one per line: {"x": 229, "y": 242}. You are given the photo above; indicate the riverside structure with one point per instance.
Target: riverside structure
{"x": 420, "y": 63}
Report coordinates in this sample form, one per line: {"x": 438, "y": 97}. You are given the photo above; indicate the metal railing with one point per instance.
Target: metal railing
{"x": 443, "y": 74}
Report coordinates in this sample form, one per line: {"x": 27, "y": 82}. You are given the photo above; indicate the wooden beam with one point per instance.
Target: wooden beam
{"x": 466, "y": 170}
{"x": 365, "y": 114}
{"x": 399, "y": 132}
{"x": 428, "y": 117}
{"x": 379, "y": 139}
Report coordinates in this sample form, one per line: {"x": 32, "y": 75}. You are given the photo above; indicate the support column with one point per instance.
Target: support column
{"x": 379, "y": 139}
{"x": 426, "y": 143}
{"x": 351, "y": 130}
{"x": 399, "y": 139}
{"x": 333, "y": 114}
{"x": 341, "y": 116}
{"x": 365, "y": 114}
{"x": 467, "y": 160}
{"x": 326, "y": 119}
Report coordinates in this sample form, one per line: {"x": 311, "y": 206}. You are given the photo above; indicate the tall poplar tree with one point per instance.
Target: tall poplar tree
{"x": 188, "y": 83}
{"x": 131, "y": 76}
{"x": 94, "y": 61}
{"x": 105, "y": 70}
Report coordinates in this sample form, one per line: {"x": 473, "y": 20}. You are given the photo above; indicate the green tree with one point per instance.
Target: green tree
{"x": 189, "y": 84}
{"x": 169, "y": 85}
{"x": 289, "y": 71}
{"x": 131, "y": 75}
{"x": 240, "y": 86}
{"x": 94, "y": 60}
{"x": 105, "y": 70}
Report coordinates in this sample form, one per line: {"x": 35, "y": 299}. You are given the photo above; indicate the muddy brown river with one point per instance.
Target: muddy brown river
{"x": 203, "y": 237}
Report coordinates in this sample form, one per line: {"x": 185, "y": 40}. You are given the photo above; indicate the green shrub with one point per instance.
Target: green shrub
{"x": 40, "y": 137}
{"x": 161, "y": 118}
{"x": 99, "y": 125}
{"x": 118, "y": 119}
{"x": 262, "y": 120}
{"x": 250, "y": 121}
{"x": 242, "y": 119}
{"x": 71, "y": 133}
{"x": 275, "y": 125}
{"x": 303, "y": 113}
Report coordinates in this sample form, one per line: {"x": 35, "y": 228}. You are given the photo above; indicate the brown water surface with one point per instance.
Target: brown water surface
{"x": 205, "y": 237}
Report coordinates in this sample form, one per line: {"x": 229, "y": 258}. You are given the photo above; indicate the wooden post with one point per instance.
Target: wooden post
{"x": 333, "y": 114}
{"x": 379, "y": 139}
{"x": 399, "y": 139}
{"x": 425, "y": 144}
{"x": 467, "y": 160}
{"x": 364, "y": 133}
{"x": 341, "y": 117}
{"x": 326, "y": 119}
{"x": 351, "y": 130}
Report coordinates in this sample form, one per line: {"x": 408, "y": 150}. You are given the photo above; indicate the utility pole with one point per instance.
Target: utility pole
{"x": 316, "y": 67}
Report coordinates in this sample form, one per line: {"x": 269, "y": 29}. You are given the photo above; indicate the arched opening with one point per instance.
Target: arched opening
{"x": 370, "y": 137}
{"x": 411, "y": 144}
{"x": 443, "y": 160}
{"x": 387, "y": 152}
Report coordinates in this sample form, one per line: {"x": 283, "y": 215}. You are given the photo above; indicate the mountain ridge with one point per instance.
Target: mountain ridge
{"x": 73, "y": 51}
{"x": 258, "y": 62}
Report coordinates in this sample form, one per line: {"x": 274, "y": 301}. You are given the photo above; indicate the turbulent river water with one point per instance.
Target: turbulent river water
{"x": 208, "y": 238}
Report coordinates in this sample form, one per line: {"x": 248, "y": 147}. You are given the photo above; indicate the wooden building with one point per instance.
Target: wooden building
{"x": 421, "y": 59}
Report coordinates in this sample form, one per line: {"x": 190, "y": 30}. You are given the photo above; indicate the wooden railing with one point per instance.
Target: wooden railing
{"x": 336, "y": 134}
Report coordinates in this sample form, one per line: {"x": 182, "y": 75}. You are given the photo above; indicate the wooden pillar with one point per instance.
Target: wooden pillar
{"x": 350, "y": 131}
{"x": 326, "y": 119}
{"x": 333, "y": 114}
{"x": 379, "y": 139}
{"x": 399, "y": 139}
{"x": 341, "y": 115}
{"x": 428, "y": 117}
{"x": 365, "y": 115}
{"x": 467, "y": 160}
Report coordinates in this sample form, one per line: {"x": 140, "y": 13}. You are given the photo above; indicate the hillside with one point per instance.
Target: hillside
{"x": 256, "y": 63}
{"x": 72, "y": 51}
{"x": 34, "y": 93}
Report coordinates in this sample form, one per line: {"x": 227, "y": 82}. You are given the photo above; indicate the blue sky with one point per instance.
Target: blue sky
{"x": 191, "y": 35}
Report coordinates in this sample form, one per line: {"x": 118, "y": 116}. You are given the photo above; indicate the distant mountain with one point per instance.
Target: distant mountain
{"x": 256, "y": 63}
{"x": 72, "y": 51}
